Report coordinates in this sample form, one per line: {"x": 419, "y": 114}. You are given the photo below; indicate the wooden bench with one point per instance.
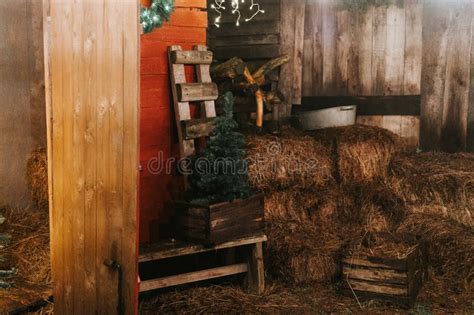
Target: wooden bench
{"x": 253, "y": 268}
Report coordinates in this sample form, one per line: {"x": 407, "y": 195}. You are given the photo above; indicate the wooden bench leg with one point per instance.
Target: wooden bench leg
{"x": 256, "y": 271}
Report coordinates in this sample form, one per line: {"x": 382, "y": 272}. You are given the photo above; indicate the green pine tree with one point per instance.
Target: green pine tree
{"x": 220, "y": 171}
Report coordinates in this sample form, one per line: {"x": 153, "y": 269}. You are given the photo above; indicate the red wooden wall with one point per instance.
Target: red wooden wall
{"x": 187, "y": 27}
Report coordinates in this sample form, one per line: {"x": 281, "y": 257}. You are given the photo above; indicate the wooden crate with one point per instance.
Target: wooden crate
{"x": 394, "y": 280}
{"x": 223, "y": 222}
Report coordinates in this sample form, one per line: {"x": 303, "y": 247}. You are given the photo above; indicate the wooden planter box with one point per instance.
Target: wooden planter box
{"x": 222, "y": 222}
{"x": 394, "y": 280}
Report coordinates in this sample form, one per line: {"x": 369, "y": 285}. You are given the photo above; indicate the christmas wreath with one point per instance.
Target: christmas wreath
{"x": 154, "y": 12}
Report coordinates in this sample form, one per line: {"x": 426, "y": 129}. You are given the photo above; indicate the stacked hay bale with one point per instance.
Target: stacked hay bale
{"x": 434, "y": 182}
{"x": 291, "y": 169}
{"x": 37, "y": 178}
{"x": 361, "y": 153}
{"x": 320, "y": 195}
{"x": 368, "y": 181}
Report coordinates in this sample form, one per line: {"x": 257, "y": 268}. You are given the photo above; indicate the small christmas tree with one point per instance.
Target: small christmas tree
{"x": 220, "y": 171}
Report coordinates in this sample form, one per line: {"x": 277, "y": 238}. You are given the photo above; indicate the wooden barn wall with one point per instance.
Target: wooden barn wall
{"x": 158, "y": 140}
{"x": 92, "y": 107}
{"x": 22, "y": 99}
{"x": 447, "y": 112}
{"x": 371, "y": 52}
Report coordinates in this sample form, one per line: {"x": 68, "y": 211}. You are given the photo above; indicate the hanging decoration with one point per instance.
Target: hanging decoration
{"x": 155, "y": 14}
{"x": 235, "y": 6}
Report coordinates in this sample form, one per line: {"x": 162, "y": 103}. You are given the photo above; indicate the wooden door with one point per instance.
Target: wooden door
{"x": 92, "y": 72}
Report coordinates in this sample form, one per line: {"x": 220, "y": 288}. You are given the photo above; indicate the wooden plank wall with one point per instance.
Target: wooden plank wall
{"x": 369, "y": 53}
{"x": 92, "y": 108}
{"x": 158, "y": 139}
{"x": 447, "y": 80}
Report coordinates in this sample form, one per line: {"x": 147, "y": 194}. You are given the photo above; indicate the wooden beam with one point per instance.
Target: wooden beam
{"x": 191, "y": 92}
{"x": 403, "y": 105}
{"x": 193, "y": 277}
{"x": 291, "y": 43}
{"x": 175, "y": 249}
{"x": 256, "y": 274}
{"x": 197, "y": 128}
{"x": 191, "y": 57}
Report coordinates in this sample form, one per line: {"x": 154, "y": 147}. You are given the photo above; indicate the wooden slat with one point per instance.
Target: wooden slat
{"x": 196, "y": 128}
{"x": 413, "y": 49}
{"x": 395, "y": 50}
{"x": 131, "y": 152}
{"x": 372, "y": 274}
{"x": 291, "y": 43}
{"x": 78, "y": 149}
{"x": 265, "y": 39}
{"x": 455, "y": 105}
{"x": 379, "y": 44}
{"x": 368, "y": 262}
{"x": 364, "y": 42}
{"x": 256, "y": 274}
{"x": 435, "y": 40}
{"x": 191, "y": 92}
{"x": 247, "y": 52}
{"x": 193, "y": 277}
{"x": 344, "y": 53}
{"x": 403, "y": 105}
{"x": 192, "y": 57}
{"x": 246, "y": 29}
{"x": 382, "y": 288}
{"x": 208, "y": 108}
{"x": 328, "y": 42}
{"x": 175, "y": 249}
{"x": 470, "y": 110}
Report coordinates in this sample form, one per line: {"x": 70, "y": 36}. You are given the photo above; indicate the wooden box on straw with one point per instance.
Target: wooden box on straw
{"x": 385, "y": 267}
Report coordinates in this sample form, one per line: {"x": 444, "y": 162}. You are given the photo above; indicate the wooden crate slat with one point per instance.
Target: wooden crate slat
{"x": 193, "y": 277}
{"x": 364, "y": 261}
{"x": 196, "y": 128}
{"x": 386, "y": 275}
{"x": 175, "y": 249}
{"x": 192, "y": 57}
{"x": 192, "y": 92}
{"x": 378, "y": 287}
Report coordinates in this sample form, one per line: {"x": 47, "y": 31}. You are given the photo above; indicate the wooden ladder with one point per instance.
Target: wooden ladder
{"x": 204, "y": 92}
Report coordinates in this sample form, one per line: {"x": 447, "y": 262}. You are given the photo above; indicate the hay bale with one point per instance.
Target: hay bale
{"x": 450, "y": 248}
{"x": 37, "y": 177}
{"x": 289, "y": 161}
{"x": 361, "y": 153}
{"x": 434, "y": 182}
{"x": 302, "y": 252}
{"x": 299, "y": 205}
{"x": 30, "y": 244}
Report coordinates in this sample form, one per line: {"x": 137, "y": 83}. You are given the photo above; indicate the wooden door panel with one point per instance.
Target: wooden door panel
{"x": 92, "y": 94}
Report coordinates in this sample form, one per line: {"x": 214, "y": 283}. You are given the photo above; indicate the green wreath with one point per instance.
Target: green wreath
{"x": 154, "y": 16}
